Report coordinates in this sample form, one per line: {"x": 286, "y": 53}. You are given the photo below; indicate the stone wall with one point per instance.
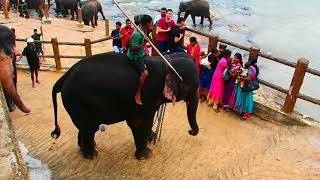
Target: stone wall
{"x": 12, "y": 165}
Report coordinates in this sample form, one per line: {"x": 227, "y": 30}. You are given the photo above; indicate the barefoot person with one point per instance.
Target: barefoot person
{"x": 33, "y": 60}
{"x": 137, "y": 53}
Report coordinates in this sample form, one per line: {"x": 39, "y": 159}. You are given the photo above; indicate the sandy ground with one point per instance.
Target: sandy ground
{"x": 226, "y": 148}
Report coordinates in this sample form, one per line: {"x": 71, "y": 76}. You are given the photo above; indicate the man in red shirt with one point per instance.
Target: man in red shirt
{"x": 125, "y": 35}
{"x": 163, "y": 27}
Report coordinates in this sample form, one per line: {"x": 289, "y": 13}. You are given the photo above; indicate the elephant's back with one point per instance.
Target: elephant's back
{"x": 106, "y": 73}
{"x": 69, "y": 3}
{"x": 200, "y": 7}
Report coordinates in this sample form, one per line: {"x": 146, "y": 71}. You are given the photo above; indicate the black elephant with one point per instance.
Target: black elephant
{"x": 195, "y": 8}
{"x": 90, "y": 11}
{"x": 6, "y": 69}
{"x": 63, "y": 7}
{"x": 100, "y": 90}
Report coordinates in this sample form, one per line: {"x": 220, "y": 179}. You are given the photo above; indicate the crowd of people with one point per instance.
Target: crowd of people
{"x": 225, "y": 82}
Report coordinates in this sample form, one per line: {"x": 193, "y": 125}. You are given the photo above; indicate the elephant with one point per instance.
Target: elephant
{"x": 195, "y": 8}
{"x": 100, "y": 89}
{"x": 90, "y": 11}
{"x": 63, "y": 7}
{"x": 6, "y": 68}
{"x": 37, "y": 5}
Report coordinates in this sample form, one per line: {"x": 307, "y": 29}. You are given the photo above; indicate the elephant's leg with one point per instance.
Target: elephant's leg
{"x": 104, "y": 18}
{"x": 72, "y": 14}
{"x": 87, "y": 144}
{"x": 201, "y": 22}
{"x": 193, "y": 19}
{"x": 140, "y": 130}
{"x": 96, "y": 20}
{"x": 210, "y": 20}
{"x": 186, "y": 16}
{"x": 91, "y": 19}
{"x": 79, "y": 140}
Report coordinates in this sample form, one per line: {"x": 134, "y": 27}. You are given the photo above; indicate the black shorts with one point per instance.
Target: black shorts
{"x": 34, "y": 66}
{"x": 138, "y": 64}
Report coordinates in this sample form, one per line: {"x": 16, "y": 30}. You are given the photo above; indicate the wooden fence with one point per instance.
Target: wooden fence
{"x": 301, "y": 68}
{"x": 56, "y": 52}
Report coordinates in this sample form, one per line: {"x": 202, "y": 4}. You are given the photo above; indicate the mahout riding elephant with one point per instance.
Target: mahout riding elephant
{"x": 6, "y": 68}
{"x": 100, "y": 90}
{"x": 195, "y": 8}
{"x": 63, "y": 7}
{"x": 90, "y": 11}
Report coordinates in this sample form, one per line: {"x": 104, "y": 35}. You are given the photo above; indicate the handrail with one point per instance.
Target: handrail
{"x": 101, "y": 40}
{"x": 264, "y": 55}
{"x": 213, "y": 41}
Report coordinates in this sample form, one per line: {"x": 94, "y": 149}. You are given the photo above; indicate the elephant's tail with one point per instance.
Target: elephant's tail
{"x": 56, "y": 89}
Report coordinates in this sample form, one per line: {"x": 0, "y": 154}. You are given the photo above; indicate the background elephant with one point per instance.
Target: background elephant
{"x": 90, "y": 13}
{"x": 106, "y": 84}
{"x": 98, "y": 5}
{"x": 6, "y": 68}
{"x": 195, "y": 8}
{"x": 63, "y": 7}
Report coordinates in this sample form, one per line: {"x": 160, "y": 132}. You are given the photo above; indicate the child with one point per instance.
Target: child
{"x": 193, "y": 50}
{"x": 242, "y": 72}
{"x": 116, "y": 42}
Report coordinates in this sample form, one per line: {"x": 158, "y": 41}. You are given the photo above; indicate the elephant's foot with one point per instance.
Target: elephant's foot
{"x": 91, "y": 155}
{"x": 72, "y": 18}
{"x": 193, "y": 132}
{"x": 143, "y": 154}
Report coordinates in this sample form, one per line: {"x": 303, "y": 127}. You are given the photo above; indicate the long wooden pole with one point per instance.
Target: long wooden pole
{"x": 153, "y": 46}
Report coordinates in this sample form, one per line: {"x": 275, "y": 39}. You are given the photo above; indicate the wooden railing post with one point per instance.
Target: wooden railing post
{"x": 107, "y": 25}
{"x": 154, "y": 41}
{"x": 80, "y": 21}
{"x": 46, "y": 10}
{"x": 56, "y": 53}
{"x": 254, "y": 53}
{"x": 213, "y": 42}
{"x": 87, "y": 45}
{"x": 5, "y": 9}
{"x": 296, "y": 84}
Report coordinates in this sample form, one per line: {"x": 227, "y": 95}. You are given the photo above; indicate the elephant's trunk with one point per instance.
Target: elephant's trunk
{"x": 6, "y": 79}
{"x": 192, "y": 106}
{"x": 179, "y": 13}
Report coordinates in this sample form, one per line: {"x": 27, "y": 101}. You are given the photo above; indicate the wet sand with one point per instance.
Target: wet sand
{"x": 226, "y": 148}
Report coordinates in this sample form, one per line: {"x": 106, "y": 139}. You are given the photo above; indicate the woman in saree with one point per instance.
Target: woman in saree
{"x": 243, "y": 99}
{"x": 229, "y": 84}
{"x": 217, "y": 84}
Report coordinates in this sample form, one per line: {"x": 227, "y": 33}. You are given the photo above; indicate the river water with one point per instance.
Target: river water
{"x": 286, "y": 28}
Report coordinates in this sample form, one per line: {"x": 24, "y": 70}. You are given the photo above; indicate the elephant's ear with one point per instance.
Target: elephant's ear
{"x": 170, "y": 89}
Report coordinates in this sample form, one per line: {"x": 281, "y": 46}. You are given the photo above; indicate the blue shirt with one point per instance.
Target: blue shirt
{"x": 116, "y": 42}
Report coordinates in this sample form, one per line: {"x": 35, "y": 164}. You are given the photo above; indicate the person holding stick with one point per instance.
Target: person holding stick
{"x": 136, "y": 53}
